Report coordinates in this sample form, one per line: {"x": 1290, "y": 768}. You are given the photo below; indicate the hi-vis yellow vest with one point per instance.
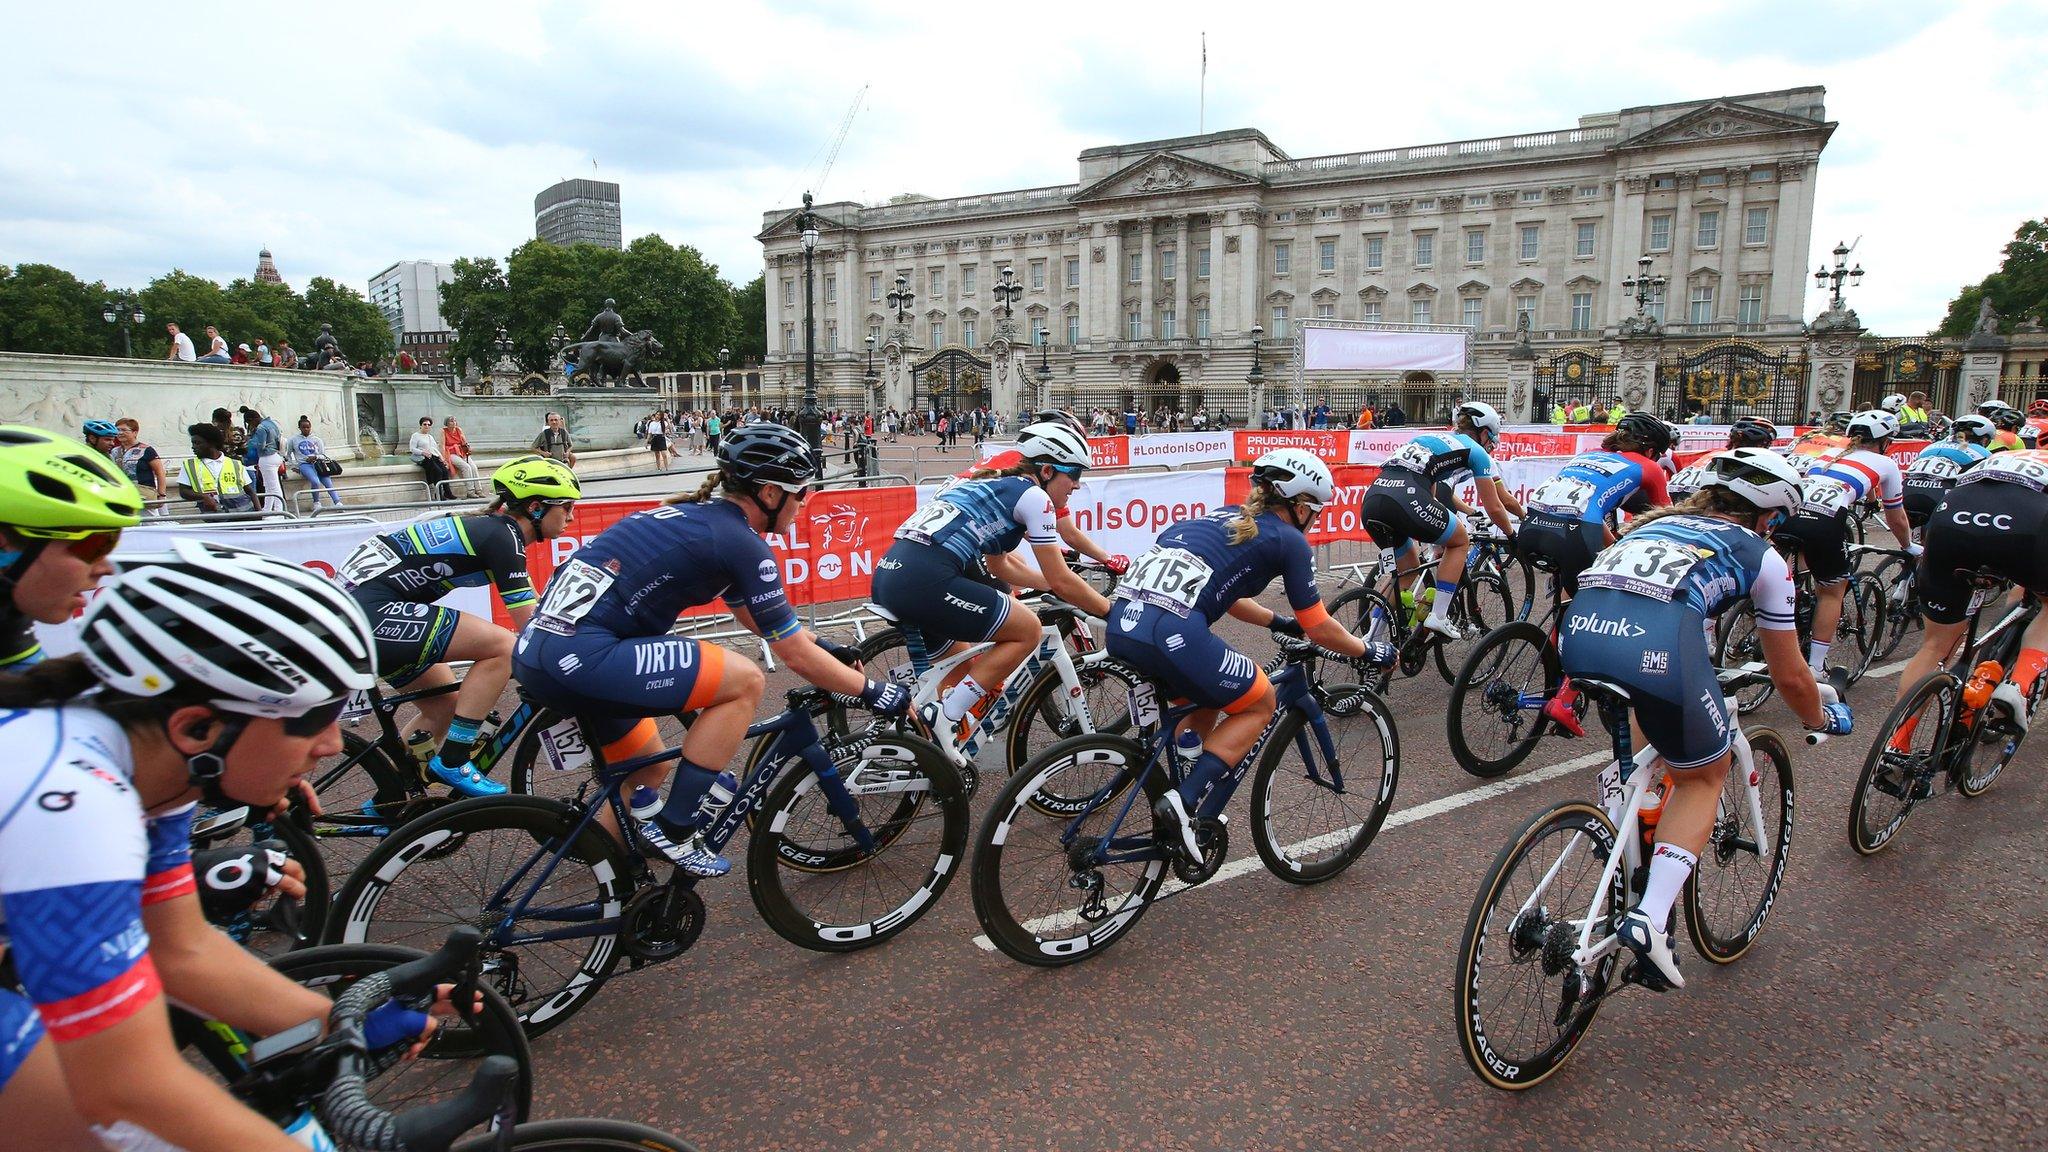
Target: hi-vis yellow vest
{"x": 233, "y": 479}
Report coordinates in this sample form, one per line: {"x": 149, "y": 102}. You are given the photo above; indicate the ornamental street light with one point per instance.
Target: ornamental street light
{"x": 1831, "y": 278}
{"x": 1255, "y": 380}
{"x": 724, "y": 381}
{"x": 870, "y": 378}
{"x": 901, "y": 300}
{"x": 1044, "y": 368}
{"x": 808, "y": 417}
{"x": 124, "y": 312}
{"x": 1643, "y": 286}
{"x": 1007, "y": 290}
{"x": 503, "y": 343}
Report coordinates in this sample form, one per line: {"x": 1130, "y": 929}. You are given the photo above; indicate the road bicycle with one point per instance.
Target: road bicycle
{"x": 1941, "y": 733}
{"x": 848, "y": 853}
{"x": 1494, "y": 582}
{"x": 273, "y": 925}
{"x": 1856, "y": 635}
{"x": 1895, "y": 574}
{"x": 1066, "y": 862}
{"x": 1539, "y": 953}
{"x": 1495, "y": 715}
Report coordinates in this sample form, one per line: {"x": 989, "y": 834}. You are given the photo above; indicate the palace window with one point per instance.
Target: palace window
{"x": 1582, "y": 311}
{"x": 1708, "y": 234}
{"x": 1582, "y": 245}
{"x": 1531, "y": 236}
{"x": 1474, "y": 312}
{"x": 1475, "y": 246}
{"x": 1375, "y": 252}
{"x": 1756, "y": 226}
{"x": 1660, "y": 232}
{"x": 1283, "y": 259}
{"x": 1749, "y": 305}
{"x": 1425, "y": 249}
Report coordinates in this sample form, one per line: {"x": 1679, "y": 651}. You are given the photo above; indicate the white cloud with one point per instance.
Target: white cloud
{"x": 347, "y": 138}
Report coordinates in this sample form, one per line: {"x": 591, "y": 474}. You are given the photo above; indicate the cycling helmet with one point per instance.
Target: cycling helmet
{"x": 1483, "y": 416}
{"x": 2038, "y": 408}
{"x": 101, "y": 428}
{"x": 1752, "y": 432}
{"x": 54, "y": 488}
{"x": 1990, "y": 407}
{"x": 1047, "y": 442}
{"x": 1892, "y": 403}
{"x": 1975, "y": 429}
{"x": 766, "y": 453}
{"x": 242, "y": 631}
{"x": 1876, "y": 424}
{"x": 1758, "y": 475}
{"x": 536, "y": 477}
{"x": 2009, "y": 419}
{"x": 1645, "y": 429}
{"x": 1293, "y": 472}
{"x": 1059, "y": 416}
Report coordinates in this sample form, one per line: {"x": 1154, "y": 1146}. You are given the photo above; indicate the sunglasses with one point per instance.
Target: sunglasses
{"x": 314, "y": 720}
{"x": 94, "y": 548}
{"x": 1070, "y": 471}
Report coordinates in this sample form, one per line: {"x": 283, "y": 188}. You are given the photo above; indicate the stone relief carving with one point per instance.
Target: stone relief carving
{"x": 953, "y": 245}
{"x": 1096, "y": 256}
{"x": 1503, "y": 199}
{"x": 1636, "y": 386}
{"x": 1351, "y": 211}
{"x": 1636, "y": 185}
{"x": 1230, "y": 243}
{"x": 1833, "y": 384}
{"x": 1165, "y": 176}
{"x": 1559, "y": 193}
{"x": 986, "y": 242}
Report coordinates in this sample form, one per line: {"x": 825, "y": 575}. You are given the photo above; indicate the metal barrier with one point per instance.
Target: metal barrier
{"x": 426, "y": 493}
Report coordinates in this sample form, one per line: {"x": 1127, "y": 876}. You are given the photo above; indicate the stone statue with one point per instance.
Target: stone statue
{"x": 1987, "y": 319}
{"x": 325, "y": 347}
{"x": 618, "y": 359}
{"x": 606, "y": 325}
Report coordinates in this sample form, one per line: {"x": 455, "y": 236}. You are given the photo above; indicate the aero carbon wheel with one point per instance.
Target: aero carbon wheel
{"x": 1495, "y": 716}
{"x": 578, "y": 1136}
{"x": 1906, "y": 763}
{"x": 1736, "y": 881}
{"x": 1045, "y": 715}
{"x": 1314, "y": 811}
{"x": 1736, "y": 643}
{"x": 1483, "y": 604}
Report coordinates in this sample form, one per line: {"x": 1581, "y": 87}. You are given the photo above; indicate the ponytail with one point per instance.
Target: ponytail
{"x": 70, "y": 680}
{"x": 703, "y": 492}
{"x": 1246, "y": 526}
{"x": 1027, "y": 468}
{"x": 1705, "y": 502}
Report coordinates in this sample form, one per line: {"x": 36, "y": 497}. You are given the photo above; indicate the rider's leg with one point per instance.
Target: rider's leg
{"x": 1013, "y": 640}
{"x": 1449, "y": 570}
{"x": 435, "y": 711}
{"x": 1827, "y": 614}
{"x": 1227, "y": 743}
{"x": 490, "y": 647}
{"x": 725, "y": 694}
{"x": 1682, "y": 832}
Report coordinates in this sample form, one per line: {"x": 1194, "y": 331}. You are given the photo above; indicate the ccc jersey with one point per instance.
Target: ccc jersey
{"x": 974, "y": 518}
{"x": 1836, "y": 482}
{"x": 1938, "y": 465}
{"x": 1443, "y": 458}
{"x": 78, "y": 862}
{"x": 643, "y": 572}
{"x": 1594, "y": 485}
{"x": 1194, "y": 570}
{"x": 1702, "y": 562}
{"x": 425, "y": 561}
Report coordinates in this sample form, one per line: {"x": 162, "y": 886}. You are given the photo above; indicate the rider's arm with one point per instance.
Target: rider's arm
{"x": 1507, "y": 498}
{"x": 1495, "y": 498}
{"x": 1891, "y": 494}
{"x": 1079, "y": 541}
{"x": 1012, "y": 570}
{"x": 1065, "y": 584}
{"x": 132, "y": 1071}
{"x": 805, "y": 658}
{"x": 1298, "y": 580}
{"x": 1656, "y": 486}
{"x": 1774, "y": 599}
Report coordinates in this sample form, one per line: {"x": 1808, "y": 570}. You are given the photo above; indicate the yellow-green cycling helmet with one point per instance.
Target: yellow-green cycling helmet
{"x": 536, "y": 477}
{"x": 54, "y": 488}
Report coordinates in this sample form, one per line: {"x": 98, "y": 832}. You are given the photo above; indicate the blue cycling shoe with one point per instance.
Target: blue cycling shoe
{"x": 465, "y": 779}
{"x": 684, "y": 851}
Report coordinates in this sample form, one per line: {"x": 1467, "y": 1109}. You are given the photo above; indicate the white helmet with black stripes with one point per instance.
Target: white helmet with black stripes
{"x": 1050, "y": 443}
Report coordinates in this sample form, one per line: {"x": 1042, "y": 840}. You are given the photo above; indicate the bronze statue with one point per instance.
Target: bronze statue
{"x": 326, "y": 347}
{"x": 617, "y": 359}
{"x": 606, "y": 325}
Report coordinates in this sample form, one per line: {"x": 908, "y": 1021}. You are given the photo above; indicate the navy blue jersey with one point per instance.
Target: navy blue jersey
{"x": 1194, "y": 569}
{"x": 1702, "y": 562}
{"x": 646, "y": 570}
{"x": 975, "y": 518}
{"x": 423, "y": 562}
{"x": 1443, "y": 458}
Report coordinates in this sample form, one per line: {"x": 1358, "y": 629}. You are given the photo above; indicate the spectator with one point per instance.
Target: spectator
{"x": 216, "y": 348}
{"x": 455, "y": 450}
{"x": 212, "y": 479}
{"x": 713, "y": 426}
{"x": 241, "y": 355}
{"x": 181, "y": 345}
{"x": 426, "y": 452}
{"x": 1558, "y": 415}
{"x": 658, "y": 431}
{"x": 406, "y": 363}
{"x": 100, "y": 436}
{"x": 1395, "y": 417}
{"x": 263, "y": 356}
{"x": 141, "y": 462}
{"x": 285, "y": 355}
{"x": 308, "y": 453}
{"x": 265, "y": 449}
{"x": 232, "y": 438}
{"x": 553, "y": 441}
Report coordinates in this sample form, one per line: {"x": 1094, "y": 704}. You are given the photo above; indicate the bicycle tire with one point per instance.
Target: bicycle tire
{"x": 1971, "y": 780}
{"x": 794, "y": 820}
{"x": 1900, "y": 616}
{"x": 578, "y": 1135}
{"x": 1037, "y": 715}
{"x": 1736, "y": 643}
{"x": 1504, "y": 561}
{"x": 1862, "y": 618}
{"x": 1351, "y": 710}
{"x": 279, "y": 927}
{"x": 1721, "y": 864}
{"x": 1483, "y": 604}
{"x": 1885, "y": 790}
{"x": 1005, "y": 832}
{"x": 1524, "y": 944}
{"x": 367, "y": 909}
{"x": 1483, "y": 675}
{"x": 883, "y": 653}
{"x": 1353, "y": 608}
{"x": 531, "y": 773}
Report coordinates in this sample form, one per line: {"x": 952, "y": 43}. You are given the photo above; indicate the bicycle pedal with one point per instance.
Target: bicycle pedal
{"x": 1645, "y": 975}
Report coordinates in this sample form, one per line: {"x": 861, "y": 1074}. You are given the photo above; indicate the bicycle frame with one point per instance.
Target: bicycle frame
{"x": 385, "y": 709}
{"x": 1051, "y": 650}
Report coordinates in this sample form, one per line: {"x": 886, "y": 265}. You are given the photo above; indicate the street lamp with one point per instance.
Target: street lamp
{"x": 901, "y": 299}
{"x": 1255, "y": 380}
{"x": 808, "y": 417}
{"x": 1644, "y": 286}
{"x": 1044, "y": 368}
{"x": 123, "y": 311}
{"x": 724, "y": 381}
{"x": 1831, "y": 278}
{"x": 1007, "y": 290}
{"x": 870, "y": 378}
{"x": 556, "y": 343}
{"x": 503, "y": 344}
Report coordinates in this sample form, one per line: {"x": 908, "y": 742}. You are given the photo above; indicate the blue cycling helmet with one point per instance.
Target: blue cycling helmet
{"x": 101, "y": 428}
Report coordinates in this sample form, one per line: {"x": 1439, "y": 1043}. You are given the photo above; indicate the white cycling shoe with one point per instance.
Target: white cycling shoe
{"x": 945, "y": 733}
{"x": 1651, "y": 945}
{"x": 1442, "y": 626}
{"x": 689, "y": 854}
{"x": 2014, "y": 701}
{"x": 1172, "y": 811}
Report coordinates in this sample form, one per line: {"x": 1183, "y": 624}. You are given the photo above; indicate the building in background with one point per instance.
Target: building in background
{"x": 430, "y": 350}
{"x": 409, "y": 295}
{"x": 266, "y": 272}
{"x": 579, "y": 212}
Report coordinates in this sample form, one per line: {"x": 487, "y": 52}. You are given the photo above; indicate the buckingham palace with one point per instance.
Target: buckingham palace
{"x": 1177, "y": 271}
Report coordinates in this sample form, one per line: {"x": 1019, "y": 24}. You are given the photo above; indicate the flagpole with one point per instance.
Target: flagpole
{"x": 1202, "y": 117}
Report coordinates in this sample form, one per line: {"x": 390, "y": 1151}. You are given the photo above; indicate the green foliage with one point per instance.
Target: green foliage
{"x": 45, "y": 309}
{"x": 359, "y": 327}
{"x": 2018, "y": 290}
{"x": 474, "y": 304}
{"x": 749, "y": 340}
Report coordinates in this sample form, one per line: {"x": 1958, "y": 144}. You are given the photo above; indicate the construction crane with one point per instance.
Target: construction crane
{"x": 839, "y": 140}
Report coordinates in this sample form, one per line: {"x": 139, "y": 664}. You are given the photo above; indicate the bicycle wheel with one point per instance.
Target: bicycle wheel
{"x": 1517, "y": 577}
{"x": 1902, "y": 770}
{"x": 1856, "y": 637}
{"x": 1734, "y": 884}
{"x": 1483, "y": 604}
{"x": 1984, "y": 753}
{"x": 1039, "y": 893}
{"x": 447, "y": 867}
{"x": 1901, "y": 606}
{"x": 1355, "y": 609}
{"x": 579, "y": 1136}
{"x": 886, "y": 655}
{"x": 1044, "y": 716}
{"x": 277, "y": 926}
{"x": 532, "y": 773}
{"x": 908, "y": 798}
{"x": 1736, "y": 643}
{"x": 1522, "y": 1005}
{"x": 1313, "y": 814}
{"x": 1495, "y": 715}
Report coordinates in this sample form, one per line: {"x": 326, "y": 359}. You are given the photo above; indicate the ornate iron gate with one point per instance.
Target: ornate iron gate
{"x": 1734, "y": 378}
{"x": 1573, "y": 377}
{"x": 1906, "y": 366}
{"x": 952, "y": 378}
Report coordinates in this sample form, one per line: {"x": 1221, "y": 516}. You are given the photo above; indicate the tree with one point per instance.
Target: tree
{"x": 749, "y": 337}
{"x": 46, "y": 309}
{"x": 2017, "y": 291}
{"x": 191, "y": 302}
{"x": 551, "y": 284}
{"x": 359, "y": 327}
{"x": 474, "y": 304}
{"x": 676, "y": 294}
{"x": 258, "y": 312}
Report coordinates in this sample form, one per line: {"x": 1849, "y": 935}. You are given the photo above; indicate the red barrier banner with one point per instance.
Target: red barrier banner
{"x": 1110, "y": 451}
{"x": 1332, "y": 447}
{"x": 1340, "y": 519}
{"x": 839, "y": 536}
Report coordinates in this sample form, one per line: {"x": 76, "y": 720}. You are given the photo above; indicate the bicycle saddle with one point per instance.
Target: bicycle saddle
{"x": 1381, "y": 532}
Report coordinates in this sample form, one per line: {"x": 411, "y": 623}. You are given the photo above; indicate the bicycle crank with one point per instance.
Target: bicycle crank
{"x": 1214, "y": 834}
{"x": 661, "y": 922}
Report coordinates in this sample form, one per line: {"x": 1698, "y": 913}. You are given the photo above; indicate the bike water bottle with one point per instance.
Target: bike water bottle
{"x": 1653, "y": 808}
{"x": 488, "y": 730}
{"x": 1983, "y": 681}
{"x": 422, "y": 745}
{"x": 1187, "y": 748}
{"x": 307, "y": 1131}
{"x": 645, "y": 804}
{"x": 723, "y": 788}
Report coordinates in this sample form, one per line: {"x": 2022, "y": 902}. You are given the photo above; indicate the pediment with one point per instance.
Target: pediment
{"x": 1418, "y": 291}
{"x": 1160, "y": 173}
{"x": 1582, "y": 282}
{"x": 1374, "y": 292}
{"x": 787, "y": 224}
{"x": 1323, "y": 294}
{"x": 1525, "y": 284}
{"x": 1473, "y": 287}
{"x": 1704, "y": 272}
{"x": 1722, "y": 120}
{"x": 1279, "y": 296}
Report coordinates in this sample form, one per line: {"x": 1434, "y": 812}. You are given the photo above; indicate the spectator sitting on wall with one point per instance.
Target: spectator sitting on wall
{"x": 426, "y": 452}
{"x": 141, "y": 462}
{"x": 241, "y": 355}
{"x": 216, "y": 348}
{"x": 285, "y": 355}
{"x": 455, "y": 450}
{"x": 181, "y": 345}
{"x": 211, "y": 478}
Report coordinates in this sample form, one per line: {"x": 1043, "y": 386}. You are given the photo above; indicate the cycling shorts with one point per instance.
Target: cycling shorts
{"x": 21, "y": 1029}
{"x": 1400, "y": 507}
{"x": 1567, "y": 545}
{"x": 925, "y": 588}
{"x": 611, "y": 683}
{"x": 1185, "y": 657}
{"x": 1658, "y": 651}
{"x": 411, "y": 638}
{"x": 1824, "y": 541}
{"x": 1923, "y": 499}
{"x": 1988, "y": 527}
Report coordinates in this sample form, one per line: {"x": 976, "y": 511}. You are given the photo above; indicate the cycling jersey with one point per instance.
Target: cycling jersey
{"x": 1932, "y": 473}
{"x": 19, "y": 647}
{"x": 1592, "y": 486}
{"x": 1443, "y": 458}
{"x": 1835, "y": 483}
{"x": 1995, "y": 519}
{"x": 932, "y": 579}
{"x": 1003, "y": 462}
{"x": 970, "y": 519}
{"x": 79, "y": 861}
{"x": 1690, "y": 479}
{"x": 423, "y": 562}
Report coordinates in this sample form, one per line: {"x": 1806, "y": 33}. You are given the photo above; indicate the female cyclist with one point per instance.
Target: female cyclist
{"x": 1746, "y": 432}
{"x": 1200, "y": 570}
{"x": 1835, "y": 483}
{"x": 1639, "y": 621}
{"x": 53, "y": 491}
{"x": 931, "y": 580}
{"x": 599, "y": 648}
{"x": 209, "y": 673}
{"x": 1934, "y": 471}
{"x": 1070, "y": 532}
{"x": 398, "y": 577}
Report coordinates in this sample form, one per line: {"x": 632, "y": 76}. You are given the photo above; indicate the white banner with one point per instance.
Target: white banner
{"x": 1364, "y": 350}
{"x": 1177, "y": 448}
{"x": 1127, "y": 513}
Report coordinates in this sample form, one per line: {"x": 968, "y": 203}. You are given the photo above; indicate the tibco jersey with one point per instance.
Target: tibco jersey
{"x": 1594, "y": 485}
{"x": 643, "y": 572}
{"x": 1003, "y": 462}
{"x": 423, "y": 562}
{"x": 1938, "y": 465}
{"x": 1443, "y": 458}
{"x": 1702, "y": 562}
{"x": 974, "y": 518}
{"x": 1194, "y": 569}
{"x": 1835, "y": 483}
{"x": 78, "y": 862}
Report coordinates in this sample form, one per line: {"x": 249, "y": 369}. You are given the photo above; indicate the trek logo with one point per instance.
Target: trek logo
{"x": 1621, "y": 628}
{"x": 1656, "y": 663}
{"x": 1999, "y": 521}
{"x": 666, "y": 656}
{"x": 957, "y": 602}
{"x": 1713, "y": 707}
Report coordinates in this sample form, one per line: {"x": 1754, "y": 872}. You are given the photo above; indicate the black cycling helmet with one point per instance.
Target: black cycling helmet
{"x": 1647, "y": 430}
{"x": 2008, "y": 419}
{"x": 763, "y": 453}
{"x": 1752, "y": 432}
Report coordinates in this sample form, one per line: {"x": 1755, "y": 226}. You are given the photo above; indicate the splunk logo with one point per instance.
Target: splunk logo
{"x": 1594, "y": 626}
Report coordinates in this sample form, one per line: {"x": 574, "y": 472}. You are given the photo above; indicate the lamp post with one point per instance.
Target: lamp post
{"x": 123, "y": 311}
{"x": 1255, "y": 380}
{"x": 503, "y": 345}
{"x": 724, "y": 382}
{"x": 556, "y": 342}
{"x": 869, "y": 377}
{"x": 1007, "y": 290}
{"x": 1643, "y": 286}
{"x": 807, "y": 418}
{"x": 902, "y": 299}
{"x": 1831, "y": 278}
{"x": 1044, "y": 368}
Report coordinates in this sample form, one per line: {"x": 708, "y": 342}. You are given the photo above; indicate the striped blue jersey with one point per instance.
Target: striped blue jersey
{"x": 1702, "y": 562}
{"x": 1594, "y": 485}
{"x": 976, "y": 518}
{"x": 1939, "y": 464}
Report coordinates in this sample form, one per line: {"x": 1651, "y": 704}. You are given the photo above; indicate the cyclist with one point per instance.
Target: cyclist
{"x": 1571, "y": 515}
{"x": 1401, "y": 507}
{"x": 1639, "y": 621}
{"x": 2014, "y": 433}
{"x": 208, "y": 673}
{"x": 1894, "y": 403}
{"x": 1070, "y": 532}
{"x": 1835, "y": 483}
{"x": 929, "y": 580}
{"x": 53, "y": 490}
{"x": 1197, "y": 572}
{"x": 1934, "y": 471}
{"x": 1746, "y": 432}
{"x": 599, "y": 645}
{"x": 399, "y": 576}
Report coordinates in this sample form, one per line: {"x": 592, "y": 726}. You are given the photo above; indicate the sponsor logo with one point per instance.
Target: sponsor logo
{"x": 1238, "y": 666}
{"x": 844, "y": 525}
{"x": 1656, "y": 663}
{"x": 667, "y": 656}
{"x": 1133, "y": 612}
{"x": 1175, "y": 643}
{"x": 2000, "y": 521}
{"x": 132, "y": 942}
{"x": 569, "y": 663}
{"x": 767, "y": 571}
{"x": 56, "y": 801}
{"x": 1713, "y": 707}
{"x": 889, "y": 564}
{"x": 101, "y": 775}
{"x": 957, "y": 602}
{"x": 668, "y": 683}
{"x": 1593, "y": 625}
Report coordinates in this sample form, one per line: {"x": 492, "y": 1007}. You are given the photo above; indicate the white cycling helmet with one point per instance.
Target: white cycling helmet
{"x": 1976, "y": 428}
{"x": 242, "y": 631}
{"x": 1293, "y": 472}
{"x": 1990, "y": 406}
{"x": 1876, "y": 424}
{"x": 1892, "y": 403}
{"x": 1758, "y": 475}
{"x": 1484, "y": 417}
{"x": 1050, "y": 443}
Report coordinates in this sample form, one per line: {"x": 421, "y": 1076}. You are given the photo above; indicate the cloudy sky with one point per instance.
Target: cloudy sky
{"x": 146, "y": 137}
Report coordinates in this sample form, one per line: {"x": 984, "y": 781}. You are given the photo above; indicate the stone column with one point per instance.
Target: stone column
{"x": 1521, "y": 361}
{"x": 1183, "y": 322}
{"x": 1627, "y": 244}
{"x": 1727, "y": 307}
{"x": 1109, "y": 302}
{"x": 1148, "y": 278}
{"x": 1637, "y": 379}
{"x": 1251, "y": 257}
{"x": 1831, "y": 361}
{"x": 1791, "y": 242}
{"x": 1983, "y": 361}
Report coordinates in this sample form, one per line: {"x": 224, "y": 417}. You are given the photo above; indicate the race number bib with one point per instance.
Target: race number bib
{"x": 572, "y": 593}
{"x": 2013, "y": 468}
{"x": 927, "y": 522}
{"x": 1825, "y": 496}
{"x": 1172, "y": 578}
{"x": 1566, "y": 495}
{"x": 1935, "y": 468}
{"x": 1645, "y": 566}
{"x": 1691, "y": 479}
{"x": 1413, "y": 456}
{"x": 564, "y": 746}
{"x": 357, "y": 706}
{"x": 371, "y": 559}
{"x": 1144, "y": 703}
